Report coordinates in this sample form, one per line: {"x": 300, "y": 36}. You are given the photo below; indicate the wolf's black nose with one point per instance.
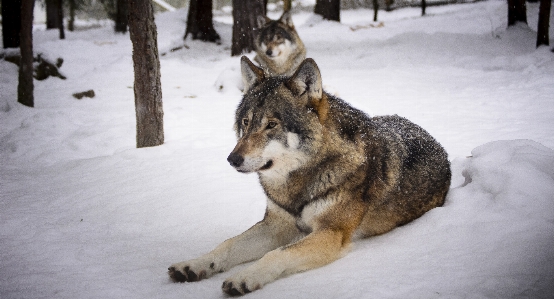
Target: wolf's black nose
{"x": 235, "y": 160}
{"x": 268, "y": 52}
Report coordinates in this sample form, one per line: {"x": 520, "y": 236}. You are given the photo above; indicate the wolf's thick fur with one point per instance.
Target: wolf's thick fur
{"x": 279, "y": 49}
{"x": 330, "y": 172}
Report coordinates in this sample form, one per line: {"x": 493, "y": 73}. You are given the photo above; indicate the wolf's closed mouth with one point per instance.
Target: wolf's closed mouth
{"x": 267, "y": 165}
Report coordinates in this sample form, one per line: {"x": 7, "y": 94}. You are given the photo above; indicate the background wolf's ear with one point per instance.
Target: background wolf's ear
{"x": 251, "y": 74}
{"x": 286, "y": 19}
{"x": 262, "y": 20}
{"x": 306, "y": 80}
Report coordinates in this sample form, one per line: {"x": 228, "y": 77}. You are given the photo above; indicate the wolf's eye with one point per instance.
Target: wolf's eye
{"x": 245, "y": 122}
{"x": 271, "y": 124}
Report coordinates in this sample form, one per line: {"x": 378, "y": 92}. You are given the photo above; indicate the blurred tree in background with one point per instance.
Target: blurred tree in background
{"x": 245, "y": 16}
{"x": 329, "y": 9}
{"x": 200, "y": 21}
{"x": 11, "y": 23}
{"x": 544, "y": 23}
{"x": 517, "y": 12}
{"x": 25, "y": 86}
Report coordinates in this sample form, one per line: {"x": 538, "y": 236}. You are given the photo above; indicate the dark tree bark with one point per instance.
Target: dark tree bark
{"x": 375, "y": 10}
{"x": 388, "y": 5}
{"x": 147, "y": 87}
{"x": 287, "y": 5}
{"x": 423, "y": 7}
{"x": 200, "y": 21}
{"x": 52, "y": 14}
{"x": 11, "y": 23}
{"x": 121, "y": 16}
{"x": 245, "y": 24}
{"x": 60, "y": 19}
{"x": 544, "y": 23}
{"x": 25, "y": 87}
{"x": 71, "y": 21}
{"x": 517, "y": 12}
{"x": 329, "y": 9}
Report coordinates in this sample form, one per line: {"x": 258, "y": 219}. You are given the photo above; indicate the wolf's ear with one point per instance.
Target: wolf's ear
{"x": 251, "y": 74}
{"x": 262, "y": 20}
{"x": 306, "y": 80}
{"x": 286, "y": 19}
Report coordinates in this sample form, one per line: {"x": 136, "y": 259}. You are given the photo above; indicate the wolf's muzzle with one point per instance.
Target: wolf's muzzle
{"x": 235, "y": 160}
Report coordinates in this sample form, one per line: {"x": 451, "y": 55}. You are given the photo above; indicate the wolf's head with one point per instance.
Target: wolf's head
{"x": 277, "y": 39}
{"x": 279, "y": 120}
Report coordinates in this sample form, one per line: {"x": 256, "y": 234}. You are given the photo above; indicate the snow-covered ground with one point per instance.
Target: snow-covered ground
{"x": 83, "y": 214}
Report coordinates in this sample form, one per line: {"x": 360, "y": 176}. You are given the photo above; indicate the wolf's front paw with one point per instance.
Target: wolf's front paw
{"x": 191, "y": 271}
{"x": 239, "y": 288}
{"x": 246, "y": 282}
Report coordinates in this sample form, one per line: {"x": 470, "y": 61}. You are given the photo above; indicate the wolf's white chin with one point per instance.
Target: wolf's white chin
{"x": 284, "y": 158}
{"x": 254, "y": 165}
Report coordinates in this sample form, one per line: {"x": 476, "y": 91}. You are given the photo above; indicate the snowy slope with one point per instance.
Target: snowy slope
{"x": 83, "y": 214}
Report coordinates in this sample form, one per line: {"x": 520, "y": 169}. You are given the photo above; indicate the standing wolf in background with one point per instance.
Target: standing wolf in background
{"x": 330, "y": 173}
{"x": 279, "y": 49}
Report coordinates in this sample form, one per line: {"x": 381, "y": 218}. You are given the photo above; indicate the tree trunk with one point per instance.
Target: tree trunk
{"x": 375, "y": 10}
{"x": 25, "y": 86}
{"x": 200, "y": 21}
{"x": 287, "y": 5}
{"x": 11, "y": 23}
{"x": 329, "y": 9}
{"x": 423, "y": 7}
{"x": 148, "y": 88}
{"x": 245, "y": 16}
{"x": 544, "y": 23}
{"x": 71, "y": 21}
{"x": 52, "y": 14}
{"x": 388, "y": 5}
{"x": 517, "y": 12}
{"x": 60, "y": 19}
{"x": 121, "y": 16}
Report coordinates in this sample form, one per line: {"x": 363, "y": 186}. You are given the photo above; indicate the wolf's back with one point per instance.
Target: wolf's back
{"x": 414, "y": 166}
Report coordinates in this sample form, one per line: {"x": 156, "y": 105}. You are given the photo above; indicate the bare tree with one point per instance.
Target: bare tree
{"x": 51, "y": 14}
{"x": 11, "y": 23}
{"x": 329, "y": 9}
{"x": 287, "y": 5}
{"x": 517, "y": 12}
{"x": 148, "y": 88}
{"x": 25, "y": 87}
{"x": 71, "y": 21}
{"x": 200, "y": 21}
{"x": 423, "y": 7}
{"x": 60, "y": 19}
{"x": 544, "y": 22}
{"x": 245, "y": 16}
{"x": 121, "y": 16}
{"x": 388, "y": 5}
{"x": 375, "y": 10}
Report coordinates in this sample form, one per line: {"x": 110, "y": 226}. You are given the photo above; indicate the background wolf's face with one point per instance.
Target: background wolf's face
{"x": 276, "y": 38}
{"x": 275, "y": 41}
{"x": 274, "y": 130}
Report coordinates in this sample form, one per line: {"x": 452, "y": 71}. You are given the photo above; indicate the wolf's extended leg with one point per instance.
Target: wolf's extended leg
{"x": 333, "y": 229}
{"x": 277, "y": 228}
{"x": 316, "y": 250}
